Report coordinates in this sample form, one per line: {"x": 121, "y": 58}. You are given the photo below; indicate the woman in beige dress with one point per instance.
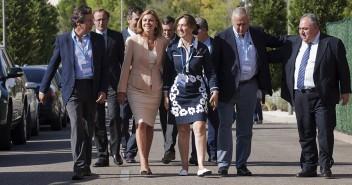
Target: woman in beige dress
{"x": 141, "y": 80}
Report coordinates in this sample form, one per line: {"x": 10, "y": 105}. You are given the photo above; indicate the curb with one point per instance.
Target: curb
{"x": 283, "y": 117}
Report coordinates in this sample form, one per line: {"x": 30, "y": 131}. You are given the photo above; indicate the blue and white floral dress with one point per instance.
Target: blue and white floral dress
{"x": 183, "y": 79}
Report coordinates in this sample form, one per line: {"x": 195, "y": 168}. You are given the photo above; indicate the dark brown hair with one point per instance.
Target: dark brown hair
{"x": 190, "y": 20}
{"x": 78, "y": 14}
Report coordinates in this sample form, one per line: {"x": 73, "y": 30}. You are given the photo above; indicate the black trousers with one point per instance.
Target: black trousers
{"x": 114, "y": 120}
{"x": 81, "y": 110}
{"x": 311, "y": 116}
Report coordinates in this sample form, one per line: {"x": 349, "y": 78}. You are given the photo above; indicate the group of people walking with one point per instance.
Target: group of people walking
{"x": 191, "y": 78}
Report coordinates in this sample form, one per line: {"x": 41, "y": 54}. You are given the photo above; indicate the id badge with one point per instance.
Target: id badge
{"x": 181, "y": 80}
{"x": 87, "y": 70}
{"x": 247, "y": 68}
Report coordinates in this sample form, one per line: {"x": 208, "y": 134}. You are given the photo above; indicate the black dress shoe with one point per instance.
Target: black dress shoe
{"x": 87, "y": 172}
{"x": 77, "y": 176}
{"x": 326, "y": 172}
{"x": 243, "y": 171}
{"x": 101, "y": 163}
{"x": 213, "y": 159}
{"x": 223, "y": 171}
{"x": 130, "y": 159}
{"x": 307, "y": 173}
{"x": 168, "y": 157}
{"x": 193, "y": 160}
{"x": 123, "y": 152}
{"x": 117, "y": 160}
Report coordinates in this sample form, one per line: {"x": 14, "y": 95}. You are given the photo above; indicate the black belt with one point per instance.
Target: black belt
{"x": 307, "y": 90}
{"x": 246, "y": 81}
{"x": 85, "y": 79}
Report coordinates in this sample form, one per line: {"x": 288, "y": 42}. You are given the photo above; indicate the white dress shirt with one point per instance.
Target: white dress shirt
{"x": 308, "y": 77}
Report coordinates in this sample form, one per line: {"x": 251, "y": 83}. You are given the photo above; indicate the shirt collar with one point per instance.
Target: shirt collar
{"x": 74, "y": 36}
{"x": 315, "y": 40}
{"x": 207, "y": 41}
{"x": 130, "y": 31}
{"x": 236, "y": 34}
{"x": 194, "y": 43}
{"x": 101, "y": 32}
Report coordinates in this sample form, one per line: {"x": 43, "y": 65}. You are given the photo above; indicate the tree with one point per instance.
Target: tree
{"x": 30, "y": 29}
{"x": 347, "y": 12}
{"x": 18, "y": 24}
{"x": 326, "y": 11}
{"x": 217, "y": 12}
{"x": 43, "y": 31}
{"x": 271, "y": 15}
{"x": 65, "y": 9}
{"x": 139, "y": 3}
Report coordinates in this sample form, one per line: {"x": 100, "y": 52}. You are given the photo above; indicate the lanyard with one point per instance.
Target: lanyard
{"x": 82, "y": 49}
{"x": 186, "y": 65}
{"x": 245, "y": 46}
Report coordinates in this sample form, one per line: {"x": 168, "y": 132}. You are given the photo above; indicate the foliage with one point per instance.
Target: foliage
{"x": 139, "y": 3}
{"x": 43, "y": 31}
{"x": 261, "y": 14}
{"x": 65, "y": 9}
{"x": 347, "y": 12}
{"x": 216, "y": 12}
{"x": 30, "y": 27}
{"x": 114, "y": 9}
{"x": 326, "y": 11}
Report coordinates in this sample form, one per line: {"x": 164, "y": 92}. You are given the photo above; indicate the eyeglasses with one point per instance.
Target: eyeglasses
{"x": 98, "y": 20}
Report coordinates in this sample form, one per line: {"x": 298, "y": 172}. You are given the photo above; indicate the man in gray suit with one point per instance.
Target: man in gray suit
{"x": 84, "y": 83}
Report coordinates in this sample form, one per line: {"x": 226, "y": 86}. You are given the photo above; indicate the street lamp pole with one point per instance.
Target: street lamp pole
{"x": 3, "y": 24}
{"x": 121, "y": 6}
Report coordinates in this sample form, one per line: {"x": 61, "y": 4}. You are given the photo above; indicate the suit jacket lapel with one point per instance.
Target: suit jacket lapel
{"x": 94, "y": 43}
{"x": 70, "y": 48}
{"x": 109, "y": 40}
{"x": 292, "y": 62}
{"x": 320, "y": 52}
{"x": 230, "y": 38}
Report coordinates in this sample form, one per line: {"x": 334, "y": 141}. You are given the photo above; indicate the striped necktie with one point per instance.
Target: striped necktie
{"x": 302, "y": 68}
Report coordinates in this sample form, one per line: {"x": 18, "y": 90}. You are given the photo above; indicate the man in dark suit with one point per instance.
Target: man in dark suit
{"x": 213, "y": 118}
{"x": 167, "y": 120}
{"x": 84, "y": 83}
{"x": 241, "y": 63}
{"x": 115, "y": 51}
{"x": 128, "y": 142}
{"x": 315, "y": 77}
{"x": 132, "y": 15}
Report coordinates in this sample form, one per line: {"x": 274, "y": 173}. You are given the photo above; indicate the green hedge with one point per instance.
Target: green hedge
{"x": 343, "y": 30}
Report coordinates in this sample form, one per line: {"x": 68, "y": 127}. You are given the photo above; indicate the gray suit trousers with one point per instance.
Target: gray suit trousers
{"x": 81, "y": 110}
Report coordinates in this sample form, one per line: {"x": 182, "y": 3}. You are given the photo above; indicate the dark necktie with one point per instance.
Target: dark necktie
{"x": 105, "y": 39}
{"x": 302, "y": 68}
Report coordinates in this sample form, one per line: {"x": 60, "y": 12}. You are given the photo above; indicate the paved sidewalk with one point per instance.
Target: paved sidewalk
{"x": 47, "y": 159}
{"x": 284, "y": 117}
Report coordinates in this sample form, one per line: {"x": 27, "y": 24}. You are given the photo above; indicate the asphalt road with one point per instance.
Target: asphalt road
{"x": 47, "y": 159}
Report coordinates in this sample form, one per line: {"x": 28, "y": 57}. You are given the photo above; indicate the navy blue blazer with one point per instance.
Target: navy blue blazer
{"x": 115, "y": 50}
{"x": 125, "y": 34}
{"x": 331, "y": 72}
{"x": 64, "y": 53}
{"x": 227, "y": 64}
